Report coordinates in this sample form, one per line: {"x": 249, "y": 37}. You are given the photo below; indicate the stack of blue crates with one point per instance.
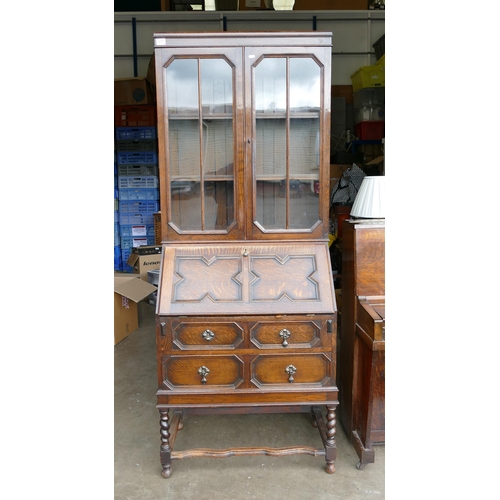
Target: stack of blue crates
{"x": 118, "y": 249}
{"x": 137, "y": 187}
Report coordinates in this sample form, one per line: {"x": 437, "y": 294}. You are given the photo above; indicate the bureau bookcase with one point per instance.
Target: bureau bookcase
{"x": 246, "y": 313}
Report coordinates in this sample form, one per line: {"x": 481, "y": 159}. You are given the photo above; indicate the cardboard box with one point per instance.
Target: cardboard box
{"x": 336, "y": 171}
{"x": 130, "y": 91}
{"x": 129, "y": 290}
{"x": 144, "y": 259}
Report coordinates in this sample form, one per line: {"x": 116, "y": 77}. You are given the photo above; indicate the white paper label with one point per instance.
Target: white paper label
{"x": 139, "y": 231}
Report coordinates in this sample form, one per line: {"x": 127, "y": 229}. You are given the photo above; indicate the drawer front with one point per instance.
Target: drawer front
{"x": 291, "y": 370}
{"x": 294, "y": 334}
{"x": 206, "y": 335}
{"x": 197, "y": 372}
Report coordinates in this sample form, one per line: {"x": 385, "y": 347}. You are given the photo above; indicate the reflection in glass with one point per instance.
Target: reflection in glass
{"x": 286, "y": 158}
{"x": 201, "y": 144}
{"x": 270, "y": 168}
{"x": 305, "y": 85}
{"x": 270, "y": 85}
{"x": 216, "y": 86}
{"x": 182, "y": 87}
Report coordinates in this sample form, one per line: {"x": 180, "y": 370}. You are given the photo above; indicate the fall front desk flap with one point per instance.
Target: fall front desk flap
{"x": 246, "y": 279}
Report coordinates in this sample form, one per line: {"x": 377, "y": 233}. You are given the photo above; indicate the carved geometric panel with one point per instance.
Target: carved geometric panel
{"x": 215, "y": 279}
{"x": 275, "y": 278}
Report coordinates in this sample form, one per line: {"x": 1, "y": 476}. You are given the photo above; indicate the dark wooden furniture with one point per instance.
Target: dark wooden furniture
{"x": 361, "y": 346}
{"x": 246, "y": 314}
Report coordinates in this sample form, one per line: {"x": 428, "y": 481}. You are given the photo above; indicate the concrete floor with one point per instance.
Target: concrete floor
{"x": 137, "y": 444}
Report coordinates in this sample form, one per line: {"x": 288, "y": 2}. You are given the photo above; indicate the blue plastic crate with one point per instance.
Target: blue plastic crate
{"x": 136, "y": 145}
{"x": 125, "y": 256}
{"x": 138, "y": 170}
{"x": 128, "y": 243}
{"x": 135, "y": 133}
{"x": 138, "y": 206}
{"x": 118, "y": 258}
{"x": 136, "y": 219}
{"x": 137, "y": 157}
{"x": 145, "y": 181}
{"x": 138, "y": 194}
{"x": 117, "y": 234}
{"x": 117, "y": 216}
{"x": 134, "y": 230}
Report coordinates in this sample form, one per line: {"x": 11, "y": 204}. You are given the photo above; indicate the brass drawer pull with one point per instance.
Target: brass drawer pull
{"x": 208, "y": 335}
{"x": 203, "y": 371}
{"x": 290, "y": 369}
{"x": 284, "y": 334}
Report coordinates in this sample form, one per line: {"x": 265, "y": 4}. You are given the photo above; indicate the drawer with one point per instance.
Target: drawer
{"x": 205, "y": 335}
{"x": 195, "y": 372}
{"x": 291, "y": 370}
{"x": 276, "y": 334}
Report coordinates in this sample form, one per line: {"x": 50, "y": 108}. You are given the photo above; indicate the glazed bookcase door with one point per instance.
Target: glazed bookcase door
{"x": 200, "y": 143}
{"x": 289, "y": 156}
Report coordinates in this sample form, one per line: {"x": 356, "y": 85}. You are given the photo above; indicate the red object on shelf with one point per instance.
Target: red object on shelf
{"x": 370, "y": 130}
{"x": 135, "y": 116}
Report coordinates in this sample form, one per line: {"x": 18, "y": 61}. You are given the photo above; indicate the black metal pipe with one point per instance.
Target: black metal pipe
{"x": 134, "y": 44}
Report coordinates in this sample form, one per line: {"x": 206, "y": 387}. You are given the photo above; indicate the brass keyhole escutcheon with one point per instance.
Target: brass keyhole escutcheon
{"x": 290, "y": 369}
{"x": 285, "y": 334}
{"x": 208, "y": 335}
{"x": 203, "y": 371}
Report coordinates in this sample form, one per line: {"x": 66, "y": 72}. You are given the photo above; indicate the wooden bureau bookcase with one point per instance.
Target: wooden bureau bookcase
{"x": 246, "y": 313}
{"x": 361, "y": 346}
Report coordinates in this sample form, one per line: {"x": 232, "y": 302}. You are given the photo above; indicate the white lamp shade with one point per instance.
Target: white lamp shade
{"x": 280, "y": 4}
{"x": 369, "y": 202}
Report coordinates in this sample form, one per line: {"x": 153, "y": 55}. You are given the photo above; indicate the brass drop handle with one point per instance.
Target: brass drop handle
{"x": 285, "y": 334}
{"x": 245, "y": 252}
{"x": 208, "y": 335}
{"x": 203, "y": 371}
{"x": 290, "y": 369}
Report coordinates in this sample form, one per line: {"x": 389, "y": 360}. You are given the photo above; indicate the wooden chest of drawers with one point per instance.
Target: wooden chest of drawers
{"x": 245, "y": 362}
{"x": 246, "y": 356}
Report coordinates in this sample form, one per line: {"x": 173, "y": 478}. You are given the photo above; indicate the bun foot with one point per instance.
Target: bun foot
{"x": 360, "y": 466}
{"x": 330, "y": 468}
{"x": 166, "y": 472}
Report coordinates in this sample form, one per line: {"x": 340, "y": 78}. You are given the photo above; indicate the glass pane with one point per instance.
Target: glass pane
{"x": 270, "y": 168}
{"x": 304, "y": 172}
{"x": 287, "y": 175}
{"x": 182, "y": 87}
{"x": 218, "y": 166}
{"x": 270, "y": 86}
{"x": 184, "y": 162}
{"x": 201, "y": 155}
{"x": 305, "y": 85}
{"x": 216, "y": 86}
{"x": 219, "y": 204}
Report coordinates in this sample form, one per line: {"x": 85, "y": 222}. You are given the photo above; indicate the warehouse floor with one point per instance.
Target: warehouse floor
{"x": 137, "y": 444}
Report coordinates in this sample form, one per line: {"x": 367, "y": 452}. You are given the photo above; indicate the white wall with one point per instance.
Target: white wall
{"x": 354, "y": 33}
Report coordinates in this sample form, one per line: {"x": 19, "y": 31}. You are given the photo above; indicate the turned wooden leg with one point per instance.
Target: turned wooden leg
{"x": 331, "y": 446}
{"x": 165, "y": 458}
